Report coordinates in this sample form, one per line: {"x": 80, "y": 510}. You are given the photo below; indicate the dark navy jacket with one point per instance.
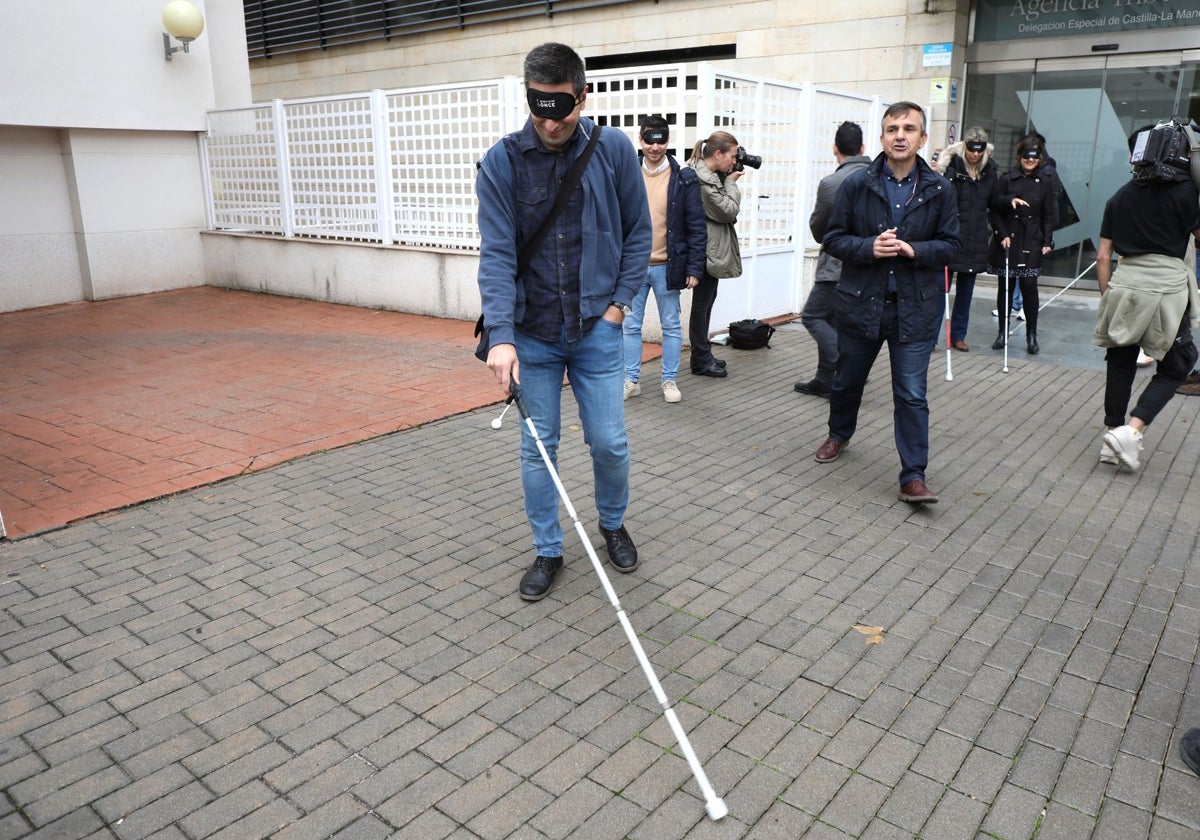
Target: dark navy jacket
{"x": 930, "y": 225}
{"x": 687, "y": 235}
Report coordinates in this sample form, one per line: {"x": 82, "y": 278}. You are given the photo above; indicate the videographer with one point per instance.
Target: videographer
{"x": 1147, "y": 223}
{"x": 716, "y": 163}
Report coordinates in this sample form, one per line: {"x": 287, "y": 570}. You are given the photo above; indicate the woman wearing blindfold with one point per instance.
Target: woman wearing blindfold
{"x": 1024, "y": 211}
{"x": 975, "y": 176}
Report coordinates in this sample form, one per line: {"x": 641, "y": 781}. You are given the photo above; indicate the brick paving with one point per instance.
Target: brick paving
{"x": 333, "y": 647}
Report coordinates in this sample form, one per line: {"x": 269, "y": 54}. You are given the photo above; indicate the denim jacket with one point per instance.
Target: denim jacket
{"x": 617, "y": 232}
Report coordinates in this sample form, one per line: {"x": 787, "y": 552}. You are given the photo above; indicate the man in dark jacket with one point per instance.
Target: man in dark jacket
{"x": 818, "y": 307}
{"x": 894, "y": 227}
{"x": 676, "y": 256}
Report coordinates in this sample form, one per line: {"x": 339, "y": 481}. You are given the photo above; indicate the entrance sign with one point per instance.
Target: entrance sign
{"x": 1003, "y": 20}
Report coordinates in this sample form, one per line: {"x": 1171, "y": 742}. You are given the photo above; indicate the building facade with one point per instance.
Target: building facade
{"x": 1084, "y": 73}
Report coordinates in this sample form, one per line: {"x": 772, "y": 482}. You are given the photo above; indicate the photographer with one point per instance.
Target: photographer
{"x": 716, "y": 163}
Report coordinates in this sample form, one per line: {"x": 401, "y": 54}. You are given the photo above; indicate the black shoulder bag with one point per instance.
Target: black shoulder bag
{"x": 535, "y": 242}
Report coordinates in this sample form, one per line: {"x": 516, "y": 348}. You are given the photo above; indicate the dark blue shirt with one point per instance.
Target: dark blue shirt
{"x": 552, "y": 280}
{"x": 899, "y": 196}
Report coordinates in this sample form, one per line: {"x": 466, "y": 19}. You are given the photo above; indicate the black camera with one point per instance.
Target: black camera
{"x": 745, "y": 159}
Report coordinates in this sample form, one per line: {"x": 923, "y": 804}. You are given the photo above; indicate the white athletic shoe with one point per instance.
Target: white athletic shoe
{"x": 1019, "y": 314}
{"x": 1143, "y": 359}
{"x": 1107, "y": 456}
{"x": 671, "y": 392}
{"x": 1126, "y": 443}
{"x": 632, "y": 389}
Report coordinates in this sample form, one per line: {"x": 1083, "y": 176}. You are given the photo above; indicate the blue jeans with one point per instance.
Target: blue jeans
{"x": 596, "y": 373}
{"x": 910, "y": 377}
{"x": 668, "y": 317}
{"x": 960, "y": 315}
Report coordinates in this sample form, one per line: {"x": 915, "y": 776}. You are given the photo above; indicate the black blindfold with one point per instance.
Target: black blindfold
{"x": 654, "y": 135}
{"x": 976, "y": 145}
{"x": 550, "y": 106}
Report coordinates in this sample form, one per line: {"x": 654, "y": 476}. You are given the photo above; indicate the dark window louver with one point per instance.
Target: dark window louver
{"x": 277, "y": 27}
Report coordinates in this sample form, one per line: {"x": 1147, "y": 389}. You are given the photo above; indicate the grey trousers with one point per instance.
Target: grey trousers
{"x": 818, "y": 319}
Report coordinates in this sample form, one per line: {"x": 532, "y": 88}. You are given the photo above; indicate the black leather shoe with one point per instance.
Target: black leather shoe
{"x": 621, "y": 550}
{"x": 1189, "y": 750}
{"x": 998, "y": 344}
{"x": 536, "y": 583}
{"x": 1031, "y": 345}
{"x": 719, "y": 362}
{"x": 711, "y": 369}
{"x": 813, "y": 389}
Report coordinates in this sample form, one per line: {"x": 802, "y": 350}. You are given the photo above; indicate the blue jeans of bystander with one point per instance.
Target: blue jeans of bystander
{"x": 668, "y": 318}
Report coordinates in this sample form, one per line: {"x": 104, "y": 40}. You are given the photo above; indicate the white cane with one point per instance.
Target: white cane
{"x": 713, "y": 804}
{"x": 1004, "y": 307}
{"x": 949, "y": 369}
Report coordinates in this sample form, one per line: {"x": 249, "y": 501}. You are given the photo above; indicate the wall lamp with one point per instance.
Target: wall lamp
{"x": 183, "y": 20}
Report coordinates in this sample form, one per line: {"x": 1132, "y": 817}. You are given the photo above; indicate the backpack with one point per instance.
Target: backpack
{"x": 750, "y": 334}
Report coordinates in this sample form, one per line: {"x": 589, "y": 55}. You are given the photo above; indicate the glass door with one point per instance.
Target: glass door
{"x": 1086, "y": 108}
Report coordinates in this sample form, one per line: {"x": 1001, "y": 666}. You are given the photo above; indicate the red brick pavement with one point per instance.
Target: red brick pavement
{"x": 110, "y": 403}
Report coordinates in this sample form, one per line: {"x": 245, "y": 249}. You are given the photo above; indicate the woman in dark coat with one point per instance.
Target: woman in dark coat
{"x": 968, "y": 165}
{"x": 1024, "y": 210}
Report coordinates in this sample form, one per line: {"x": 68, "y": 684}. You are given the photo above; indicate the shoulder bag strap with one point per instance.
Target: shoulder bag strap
{"x": 560, "y": 201}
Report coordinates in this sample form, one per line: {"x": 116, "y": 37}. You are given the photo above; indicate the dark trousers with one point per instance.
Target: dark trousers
{"x": 703, "y": 298}
{"x": 960, "y": 316}
{"x": 1168, "y": 375}
{"x": 818, "y": 319}
{"x": 1029, "y": 291}
{"x": 910, "y": 379}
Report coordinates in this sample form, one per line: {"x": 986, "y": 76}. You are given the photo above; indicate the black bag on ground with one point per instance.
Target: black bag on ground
{"x": 750, "y": 334}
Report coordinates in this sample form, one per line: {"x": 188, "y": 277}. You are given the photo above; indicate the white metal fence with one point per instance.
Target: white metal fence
{"x": 398, "y": 167}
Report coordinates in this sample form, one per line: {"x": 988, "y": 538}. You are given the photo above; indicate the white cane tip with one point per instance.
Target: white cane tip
{"x": 496, "y": 423}
{"x": 949, "y": 377}
{"x": 716, "y": 809}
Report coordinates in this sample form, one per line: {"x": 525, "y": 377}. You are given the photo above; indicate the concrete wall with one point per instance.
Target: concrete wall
{"x": 441, "y": 284}
{"x": 98, "y": 146}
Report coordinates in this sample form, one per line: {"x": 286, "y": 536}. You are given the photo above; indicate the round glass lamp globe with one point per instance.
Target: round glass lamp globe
{"x": 183, "y": 20}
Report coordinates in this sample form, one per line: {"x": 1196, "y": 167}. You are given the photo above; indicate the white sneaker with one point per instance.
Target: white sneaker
{"x": 1107, "y": 456}
{"x": 632, "y": 389}
{"x": 671, "y": 392}
{"x": 995, "y": 313}
{"x": 1126, "y": 443}
{"x": 1143, "y": 359}
{"x": 1019, "y": 314}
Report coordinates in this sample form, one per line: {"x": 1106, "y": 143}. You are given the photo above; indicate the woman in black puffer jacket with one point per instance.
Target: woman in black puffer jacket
{"x": 1024, "y": 212}
{"x": 968, "y": 165}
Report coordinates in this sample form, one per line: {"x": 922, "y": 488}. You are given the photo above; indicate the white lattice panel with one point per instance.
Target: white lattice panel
{"x": 831, "y": 109}
{"x": 437, "y": 136}
{"x": 243, "y": 170}
{"x": 331, "y": 161}
{"x": 620, "y": 98}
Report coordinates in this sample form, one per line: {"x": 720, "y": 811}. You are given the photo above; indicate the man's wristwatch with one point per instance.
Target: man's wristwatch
{"x": 625, "y": 308}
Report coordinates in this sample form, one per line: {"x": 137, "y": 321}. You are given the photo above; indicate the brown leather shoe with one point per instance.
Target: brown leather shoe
{"x": 961, "y": 345}
{"x": 915, "y": 491}
{"x": 829, "y": 450}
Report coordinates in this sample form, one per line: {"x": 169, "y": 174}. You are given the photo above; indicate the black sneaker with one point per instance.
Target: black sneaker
{"x": 621, "y": 550}
{"x": 536, "y": 583}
